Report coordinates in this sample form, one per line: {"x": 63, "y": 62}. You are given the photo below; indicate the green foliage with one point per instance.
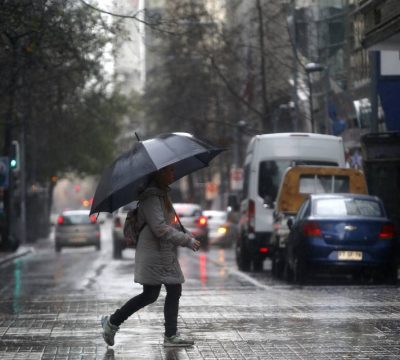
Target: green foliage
{"x": 54, "y": 87}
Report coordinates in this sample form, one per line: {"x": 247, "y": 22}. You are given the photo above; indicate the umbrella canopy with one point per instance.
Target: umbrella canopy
{"x": 131, "y": 172}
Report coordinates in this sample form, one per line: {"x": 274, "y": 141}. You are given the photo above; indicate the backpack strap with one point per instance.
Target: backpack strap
{"x": 176, "y": 215}
{"x": 144, "y": 220}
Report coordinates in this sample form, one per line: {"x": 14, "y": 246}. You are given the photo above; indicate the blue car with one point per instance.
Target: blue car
{"x": 341, "y": 232}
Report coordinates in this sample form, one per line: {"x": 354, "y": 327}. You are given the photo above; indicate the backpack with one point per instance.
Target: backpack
{"x": 133, "y": 226}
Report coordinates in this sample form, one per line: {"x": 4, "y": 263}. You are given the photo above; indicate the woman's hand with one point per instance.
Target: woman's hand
{"x": 194, "y": 244}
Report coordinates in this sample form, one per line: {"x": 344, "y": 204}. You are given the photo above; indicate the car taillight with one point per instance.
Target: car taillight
{"x": 117, "y": 222}
{"x": 387, "y": 231}
{"x": 251, "y": 213}
{"x": 311, "y": 228}
{"x": 93, "y": 219}
{"x": 202, "y": 221}
{"x": 60, "y": 220}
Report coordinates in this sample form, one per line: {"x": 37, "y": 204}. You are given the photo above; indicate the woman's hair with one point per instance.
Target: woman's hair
{"x": 168, "y": 203}
{"x": 160, "y": 183}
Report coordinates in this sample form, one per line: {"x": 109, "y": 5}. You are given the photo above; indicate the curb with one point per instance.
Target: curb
{"x": 6, "y": 258}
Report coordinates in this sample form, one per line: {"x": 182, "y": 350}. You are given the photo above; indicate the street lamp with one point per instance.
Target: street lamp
{"x": 310, "y": 68}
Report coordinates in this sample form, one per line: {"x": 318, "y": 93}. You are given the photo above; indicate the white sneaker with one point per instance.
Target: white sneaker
{"x": 109, "y": 330}
{"x": 177, "y": 340}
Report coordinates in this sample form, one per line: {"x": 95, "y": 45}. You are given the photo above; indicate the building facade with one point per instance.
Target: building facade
{"x": 381, "y": 37}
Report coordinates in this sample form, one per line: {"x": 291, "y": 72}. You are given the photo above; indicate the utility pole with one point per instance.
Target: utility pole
{"x": 22, "y": 184}
{"x": 10, "y": 116}
{"x": 292, "y": 34}
{"x": 261, "y": 38}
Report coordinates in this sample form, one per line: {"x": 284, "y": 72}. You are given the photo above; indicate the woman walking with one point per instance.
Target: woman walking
{"x": 156, "y": 261}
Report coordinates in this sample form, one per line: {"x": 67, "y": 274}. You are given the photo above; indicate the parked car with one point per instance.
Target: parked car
{"x": 341, "y": 232}
{"x": 119, "y": 241}
{"x": 297, "y": 184}
{"x": 193, "y": 220}
{"x": 221, "y": 230}
{"x": 76, "y": 228}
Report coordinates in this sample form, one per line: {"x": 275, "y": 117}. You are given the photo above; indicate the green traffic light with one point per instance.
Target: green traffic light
{"x": 13, "y": 163}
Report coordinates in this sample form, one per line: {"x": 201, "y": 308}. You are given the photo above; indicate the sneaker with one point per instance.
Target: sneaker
{"x": 177, "y": 340}
{"x": 109, "y": 330}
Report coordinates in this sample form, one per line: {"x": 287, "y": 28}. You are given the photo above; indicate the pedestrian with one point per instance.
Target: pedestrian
{"x": 156, "y": 261}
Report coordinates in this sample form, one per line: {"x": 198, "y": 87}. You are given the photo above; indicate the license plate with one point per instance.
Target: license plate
{"x": 350, "y": 255}
{"x": 78, "y": 239}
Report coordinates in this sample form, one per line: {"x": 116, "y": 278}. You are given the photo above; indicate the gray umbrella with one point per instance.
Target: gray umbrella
{"x": 131, "y": 172}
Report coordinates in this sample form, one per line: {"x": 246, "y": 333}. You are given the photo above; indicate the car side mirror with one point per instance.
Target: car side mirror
{"x": 290, "y": 223}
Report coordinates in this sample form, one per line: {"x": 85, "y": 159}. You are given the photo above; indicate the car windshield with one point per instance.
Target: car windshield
{"x": 76, "y": 219}
{"x": 271, "y": 173}
{"x": 187, "y": 210}
{"x": 216, "y": 215}
{"x": 347, "y": 207}
{"x": 319, "y": 184}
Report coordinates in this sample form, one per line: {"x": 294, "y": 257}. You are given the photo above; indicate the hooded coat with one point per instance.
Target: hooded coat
{"x": 156, "y": 258}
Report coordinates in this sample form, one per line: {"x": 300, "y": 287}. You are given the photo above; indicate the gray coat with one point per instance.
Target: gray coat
{"x": 156, "y": 258}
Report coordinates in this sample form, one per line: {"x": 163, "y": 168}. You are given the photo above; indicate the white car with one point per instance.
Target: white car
{"x": 75, "y": 228}
{"x": 221, "y": 230}
{"x": 119, "y": 241}
{"x": 193, "y": 220}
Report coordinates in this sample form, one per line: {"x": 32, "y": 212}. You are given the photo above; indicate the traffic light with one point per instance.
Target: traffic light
{"x": 14, "y": 156}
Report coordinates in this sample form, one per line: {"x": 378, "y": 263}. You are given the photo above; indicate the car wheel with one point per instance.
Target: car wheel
{"x": 287, "y": 272}
{"x": 117, "y": 249}
{"x": 299, "y": 271}
{"x": 278, "y": 265}
{"x": 258, "y": 264}
{"x": 243, "y": 260}
{"x": 391, "y": 274}
{"x": 204, "y": 244}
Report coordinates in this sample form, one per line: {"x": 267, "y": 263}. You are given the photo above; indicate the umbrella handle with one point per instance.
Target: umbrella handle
{"x": 179, "y": 221}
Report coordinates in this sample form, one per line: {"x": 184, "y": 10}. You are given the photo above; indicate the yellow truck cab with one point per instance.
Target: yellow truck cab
{"x": 297, "y": 183}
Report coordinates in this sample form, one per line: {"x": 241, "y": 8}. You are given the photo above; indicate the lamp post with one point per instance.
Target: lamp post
{"x": 310, "y": 68}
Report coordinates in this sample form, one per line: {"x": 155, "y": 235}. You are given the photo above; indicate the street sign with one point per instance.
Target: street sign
{"x": 4, "y": 171}
{"x": 211, "y": 190}
{"x": 236, "y": 179}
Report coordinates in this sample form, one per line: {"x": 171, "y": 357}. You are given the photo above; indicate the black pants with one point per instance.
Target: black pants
{"x": 149, "y": 295}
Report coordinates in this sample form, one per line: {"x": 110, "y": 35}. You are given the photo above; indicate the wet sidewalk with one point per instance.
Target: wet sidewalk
{"x": 229, "y": 314}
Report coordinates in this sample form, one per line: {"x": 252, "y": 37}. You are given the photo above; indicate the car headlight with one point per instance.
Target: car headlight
{"x": 222, "y": 230}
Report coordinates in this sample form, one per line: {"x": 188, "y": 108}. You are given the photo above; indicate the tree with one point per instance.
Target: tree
{"x": 54, "y": 95}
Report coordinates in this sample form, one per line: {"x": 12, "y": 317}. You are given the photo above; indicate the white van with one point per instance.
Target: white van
{"x": 267, "y": 158}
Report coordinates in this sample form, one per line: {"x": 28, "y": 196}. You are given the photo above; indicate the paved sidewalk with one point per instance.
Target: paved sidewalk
{"x": 231, "y": 315}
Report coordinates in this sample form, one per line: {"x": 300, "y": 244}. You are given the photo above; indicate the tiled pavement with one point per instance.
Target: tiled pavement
{"x": 239, "y": 318}
{"x": 224, "y": 326}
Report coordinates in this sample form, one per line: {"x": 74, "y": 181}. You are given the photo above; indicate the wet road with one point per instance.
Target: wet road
{"x": 50, "y": 306}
